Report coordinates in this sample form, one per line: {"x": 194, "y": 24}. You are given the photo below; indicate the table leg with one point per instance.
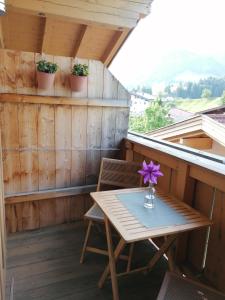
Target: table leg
{"x": 164, "y": 248}
{"x": 113, "y": 256}
{"x": 171, "y": 263}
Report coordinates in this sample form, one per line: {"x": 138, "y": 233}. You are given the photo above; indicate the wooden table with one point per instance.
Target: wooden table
{"x": 131, "y": 230}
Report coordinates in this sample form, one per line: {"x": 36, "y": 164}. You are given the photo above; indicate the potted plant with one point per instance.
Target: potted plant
{"x": 78, "y": 77}
{"x": 46, "y": 74}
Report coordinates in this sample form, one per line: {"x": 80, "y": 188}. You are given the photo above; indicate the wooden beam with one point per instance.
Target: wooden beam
{"x": 141, "y": 7}
{"x": 167, "y": 149}
{"x": 114, "y": 46}
{"x": 83, "y": 30}
{"x": 16, "y": 98}
{"x": 197, "y": 142}
{"x": 212, "y": 178}
{"x": 84, "y": 12}
{"x": 49, "y": 194}
{"x": 157, "y": 155}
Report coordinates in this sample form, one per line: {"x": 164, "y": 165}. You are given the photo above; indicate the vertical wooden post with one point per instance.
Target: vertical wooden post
{"x": 129, "y": 154}
{"x": 184, "y": 192}
{"x": 2, "y": 231}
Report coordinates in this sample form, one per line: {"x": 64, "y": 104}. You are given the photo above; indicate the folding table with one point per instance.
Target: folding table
{"x": 124, "y": 209}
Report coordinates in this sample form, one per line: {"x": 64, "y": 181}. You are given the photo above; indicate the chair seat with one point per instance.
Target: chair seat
{"x": 95, "y": 213}
{"x": 175, "y": 287}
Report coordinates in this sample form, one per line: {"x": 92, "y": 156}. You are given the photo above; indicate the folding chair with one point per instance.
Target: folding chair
{"x": 113, "y": 174}
{"x": 176, "y": 287}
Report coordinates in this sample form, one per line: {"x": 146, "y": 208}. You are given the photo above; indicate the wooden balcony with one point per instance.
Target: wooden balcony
{"x": 192, "y": 176}
{"x": 51, "y": 145}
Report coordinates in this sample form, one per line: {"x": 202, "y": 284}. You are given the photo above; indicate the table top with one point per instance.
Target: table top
{"x": 131, "y": 229}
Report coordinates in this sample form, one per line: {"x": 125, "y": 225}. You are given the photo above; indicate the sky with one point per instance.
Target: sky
{"x": 192, "y": 25}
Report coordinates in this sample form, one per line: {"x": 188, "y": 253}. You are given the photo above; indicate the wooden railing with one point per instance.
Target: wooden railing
{"x": 198, "y": 179}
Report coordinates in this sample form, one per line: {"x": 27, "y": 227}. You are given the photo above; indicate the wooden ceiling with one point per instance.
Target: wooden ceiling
{"x": 93, "y": 29}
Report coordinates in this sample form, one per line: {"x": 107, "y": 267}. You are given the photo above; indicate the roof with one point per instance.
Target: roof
{"x": 215, "y": 110}
{"x": 218, "y": 117}
{"x": 84, "y": 28}
{"x": 178, "y": 114}
{"x": 193, "y": 126}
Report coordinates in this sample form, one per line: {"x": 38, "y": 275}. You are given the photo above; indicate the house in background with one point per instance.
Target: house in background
{"x": 201, "y": 132}
{"x": 139, "y": 102}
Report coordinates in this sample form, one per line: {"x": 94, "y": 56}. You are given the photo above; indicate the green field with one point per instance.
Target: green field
{"x": 196, "y": 105}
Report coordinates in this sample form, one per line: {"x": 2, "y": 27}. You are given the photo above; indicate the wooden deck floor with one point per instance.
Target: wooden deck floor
{"x": 45, "y": 265}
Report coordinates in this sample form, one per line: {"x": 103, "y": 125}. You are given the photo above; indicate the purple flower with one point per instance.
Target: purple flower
{"x": 150, "y": 172}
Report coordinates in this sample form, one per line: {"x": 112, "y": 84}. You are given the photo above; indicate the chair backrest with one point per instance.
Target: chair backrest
{"x": 119, "y": 174}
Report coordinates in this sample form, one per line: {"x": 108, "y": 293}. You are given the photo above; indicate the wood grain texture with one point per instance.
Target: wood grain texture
{"x": 36, "y": 214}
{"x": 26, "y": 83}
{"x": 10, "y": 145}
{"x": 63, "y": 145}
{"x": 110, "y": 90}
{"x": 2, "y": 232}
{"x": 79, "y": 145}
{"x": 94, "y": 136}
{"x": 215, "y": 265}
{"x": 45, "y": 264}
{"x": 2, "y": 71}
{"x": 46, "y": 147}
{"x": 11, "y": 64}
{"x": 49, "y": 194}
{"x": 202, "y": 201}
{"x": 131, "y": 229}
{"x": 57, "y": 146}
{"x": 28, "y": 127}
{"x": 95, "y": 79}
{"x": 18, "y": 75}
{"x": 108, "y": 145}
{"x": 122, "y": 120}
{"x": 61, "y": 84}
{"x": 34, "y": 99}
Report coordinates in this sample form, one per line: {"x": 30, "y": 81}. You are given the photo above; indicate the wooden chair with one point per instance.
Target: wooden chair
{"x": 113, "y": 174}
{"x": 176, "y": 287}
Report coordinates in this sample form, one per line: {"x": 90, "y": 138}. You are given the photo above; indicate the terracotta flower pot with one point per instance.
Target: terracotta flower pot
{"x": 45, "y": 80}
{"x": 77, "y": 83}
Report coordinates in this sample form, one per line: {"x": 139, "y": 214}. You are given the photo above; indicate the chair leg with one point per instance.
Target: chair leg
{"x": 85, "y": 241}
{"x": 131, "y": 250}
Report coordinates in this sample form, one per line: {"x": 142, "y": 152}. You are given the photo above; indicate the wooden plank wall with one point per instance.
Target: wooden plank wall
{"x": 55, "y": 144}
{"x": 47, "y": 212}
{"x": 18, "y": 75}
{"x": 203, "y": 190}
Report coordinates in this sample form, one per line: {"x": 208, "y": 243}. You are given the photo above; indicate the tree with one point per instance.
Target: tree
{"x": 206, "y": 93}
{"x": 155, "y": 116}
{"x": 222, "y": 98}
{"x": 194, "y": 90}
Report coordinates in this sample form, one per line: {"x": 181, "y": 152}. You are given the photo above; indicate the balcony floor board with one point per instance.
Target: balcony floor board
{"x": 45, "y": 266}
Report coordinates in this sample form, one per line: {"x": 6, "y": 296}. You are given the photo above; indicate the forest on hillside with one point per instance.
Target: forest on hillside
{"x": 211, "y": 86}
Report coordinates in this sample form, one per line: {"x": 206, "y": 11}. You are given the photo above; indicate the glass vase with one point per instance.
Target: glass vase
{"x": 150, "y": 197}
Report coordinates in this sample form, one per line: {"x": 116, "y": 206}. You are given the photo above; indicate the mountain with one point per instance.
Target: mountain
{"x": 183, "y": 65}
